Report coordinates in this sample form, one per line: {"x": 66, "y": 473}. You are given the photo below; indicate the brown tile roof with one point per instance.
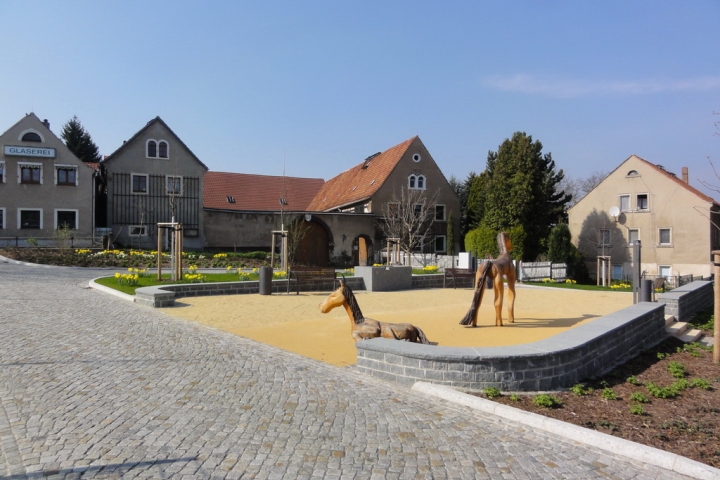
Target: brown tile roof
{"x": 679, "y": 181}
{"x": 258, "y": 192}
{"x": 360, "y": 182}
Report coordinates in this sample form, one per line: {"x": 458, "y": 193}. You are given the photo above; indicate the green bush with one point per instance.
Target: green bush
{"x": 633, "y": 380}
{"x": 580, "y": 390}
{"x": 514, "y": 397}
{"x": 676, "y": 369}
{"x": 700, "y": 383}
{"x": 639, "y": 397}
{"x": 608, "y": 394}
{"x": 547, "y": 401}
{"x": 482, "y": 241}
{"x": 492, "y": 392}
{"x": 637, "y": 409}
{"x": 661, "y": 392}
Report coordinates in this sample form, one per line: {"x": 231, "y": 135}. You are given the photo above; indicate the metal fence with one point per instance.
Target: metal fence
{"x": 538, "y": 271}
{"x": 671, "y": 281}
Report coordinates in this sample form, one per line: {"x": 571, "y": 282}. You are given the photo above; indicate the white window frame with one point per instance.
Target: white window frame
{"x": 444, "y": 240}
{"x": 630, "y": 242}
{"x": 628, "y": 208}
{"x": 168, "y": 192}
{"x": 31, "y": 130}
{"x": 669, "y": 230}
{"x": 416, "y": 180}
{"x": 132, "y": 183}
{"x": 19, "y": 217}
{"x": 143, "y": 231}
{"x": 3, "y": 219}
{"x": 20, "y": 166}
{"x": 167, "y": 149}
{"x": 415, "y": 210}
{"x": 444, "y": 212}
{"x": 60, "y": 166}
{"x": 669, "y": 271}
{"x": 637, "y": 203}
{"x": 4, "y": 172}
{"x": 601, "y": 237}
{"x": 157, "y": 148}
{"x": 77, "y": 217}
{"x": 420, "y": 246}
{"x": 147, "y": 148}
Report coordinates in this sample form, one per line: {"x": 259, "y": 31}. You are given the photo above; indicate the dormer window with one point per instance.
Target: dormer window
{"x": 31, "y": 137}
{"x": 157, "y": 149}
{"x": 230, "y": 199}
{"x": 416, "y": 182}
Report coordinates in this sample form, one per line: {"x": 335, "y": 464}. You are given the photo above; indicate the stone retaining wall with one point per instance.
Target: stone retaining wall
{"x": 556, "y": 362}
{"x": 164, "y": 296}
{"x": 684, "y": 302}
{"x": 428, "y": 280}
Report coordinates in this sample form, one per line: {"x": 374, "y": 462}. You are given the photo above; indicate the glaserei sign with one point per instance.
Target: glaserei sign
{"x": 29, "y": 151}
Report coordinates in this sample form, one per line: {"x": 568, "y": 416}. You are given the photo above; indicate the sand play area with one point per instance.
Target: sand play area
{"x": 294, "y": 322}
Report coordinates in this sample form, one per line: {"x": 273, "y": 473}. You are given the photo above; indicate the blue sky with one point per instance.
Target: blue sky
{"x": 316, "y": 87}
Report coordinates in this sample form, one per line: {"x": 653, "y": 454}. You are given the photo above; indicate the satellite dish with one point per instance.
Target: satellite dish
{"x": 614, "y": 212}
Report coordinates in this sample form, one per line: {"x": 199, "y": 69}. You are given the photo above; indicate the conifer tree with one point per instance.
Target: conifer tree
{"x": 79, "y": 141}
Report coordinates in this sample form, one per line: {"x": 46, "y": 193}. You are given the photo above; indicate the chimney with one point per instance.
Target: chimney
{"x": 685, "y": 174}
{"x": 46, "y": 123}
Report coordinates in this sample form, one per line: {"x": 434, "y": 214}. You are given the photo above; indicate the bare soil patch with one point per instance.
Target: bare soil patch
{"x": 687, "y": 424}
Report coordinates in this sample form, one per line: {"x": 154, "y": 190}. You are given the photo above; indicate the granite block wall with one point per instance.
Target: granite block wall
{"x": 684, "y": 302}
{"x": 557, "y": 362}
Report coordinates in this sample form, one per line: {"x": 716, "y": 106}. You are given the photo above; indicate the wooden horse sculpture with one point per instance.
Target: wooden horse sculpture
{"x": 495, "y": 269}
{"x": 363, "y": 328}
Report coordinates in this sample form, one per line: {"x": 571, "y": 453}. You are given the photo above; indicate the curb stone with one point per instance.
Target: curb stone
{"x": 102, "y": 288}
{"x": 632, "y": 450}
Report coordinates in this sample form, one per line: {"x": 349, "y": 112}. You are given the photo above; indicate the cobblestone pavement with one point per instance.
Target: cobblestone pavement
{"x": 92, "y": 386}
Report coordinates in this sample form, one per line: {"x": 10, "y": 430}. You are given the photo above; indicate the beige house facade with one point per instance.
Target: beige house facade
{"x": 152, "y": 178}
{"x": 676, "y": 224}
{"x": 43, "y": 187}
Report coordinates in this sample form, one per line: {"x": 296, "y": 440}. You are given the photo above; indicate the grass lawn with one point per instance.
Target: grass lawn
{"x": 152, "y": 281}
{"x": 577, "y": 286}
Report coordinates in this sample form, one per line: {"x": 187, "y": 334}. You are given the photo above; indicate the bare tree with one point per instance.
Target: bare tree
{"x": 296, "y": 232}
{"x": 174, "y": 190}
{"x": 579, "y": 187}
{"x": 408, "y": 216}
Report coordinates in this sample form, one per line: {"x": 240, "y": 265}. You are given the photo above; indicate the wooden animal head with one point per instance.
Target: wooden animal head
{"x": 334, "y": 300}
{"x": 343, "y": 296}
{"x": 504, "y": 243}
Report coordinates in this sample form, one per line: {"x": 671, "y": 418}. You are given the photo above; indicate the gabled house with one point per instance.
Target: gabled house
{"x": 676, "y": 224}
{"x": 153, "y": 178}
{"x": 43, "y": 187}
{"x": 377, "y": 181}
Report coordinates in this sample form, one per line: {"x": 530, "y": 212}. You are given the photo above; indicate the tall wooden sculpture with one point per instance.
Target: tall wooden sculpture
{"x": 362, "y": 328}
{"x": 495, "y": 269}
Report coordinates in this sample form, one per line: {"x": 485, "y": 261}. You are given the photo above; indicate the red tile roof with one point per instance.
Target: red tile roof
{"x": 360, "y": 182}
{"x": 675, "y": 179}
{"x": 258, "y": 192}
